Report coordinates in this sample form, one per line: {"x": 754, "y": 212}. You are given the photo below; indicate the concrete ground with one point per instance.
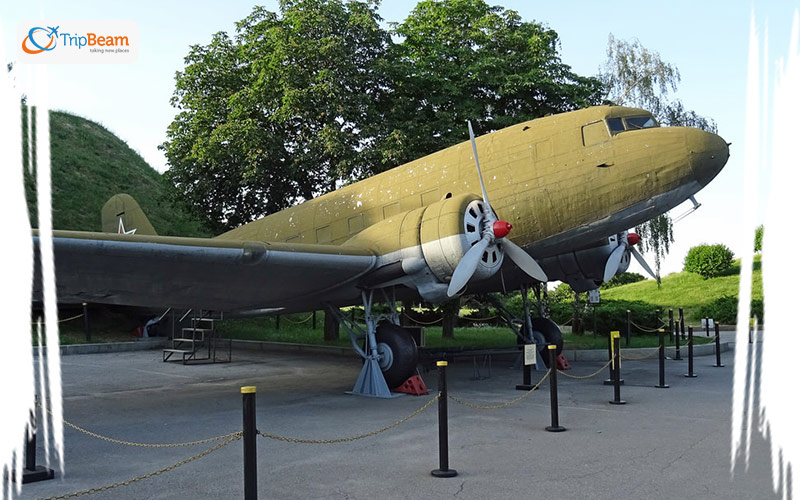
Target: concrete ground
{"x": 664, "y": 443}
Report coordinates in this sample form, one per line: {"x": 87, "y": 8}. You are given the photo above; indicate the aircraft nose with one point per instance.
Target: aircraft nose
{"x": 708, "y": 153}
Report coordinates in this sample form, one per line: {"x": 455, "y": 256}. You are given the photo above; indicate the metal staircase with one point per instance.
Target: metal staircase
{"x": 199, "y": 342}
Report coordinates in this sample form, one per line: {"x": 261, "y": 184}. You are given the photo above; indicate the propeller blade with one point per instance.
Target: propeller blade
{"x": 477, "y": 164}
{"x": 525, "y": 262}
{"x": 466, "y": 267}
{"x": 640, "y": 258}
{"x": 613, "y": 262}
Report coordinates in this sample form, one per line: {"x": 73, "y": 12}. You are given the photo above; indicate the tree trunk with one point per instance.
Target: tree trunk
{"x": 331, "y": 327}
{"x": 450, "y": 317}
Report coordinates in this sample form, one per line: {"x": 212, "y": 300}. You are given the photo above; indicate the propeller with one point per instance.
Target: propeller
{"x": 492, "y": 231}
{"x": 615, "y": 259}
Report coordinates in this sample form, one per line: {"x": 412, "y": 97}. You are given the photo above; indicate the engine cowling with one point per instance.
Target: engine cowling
{"x": 583, "y": 269}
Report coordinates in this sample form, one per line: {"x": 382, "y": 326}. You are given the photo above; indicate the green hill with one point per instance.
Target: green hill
{"x": 89, "y": 164}
{"x": 690, "y": 291}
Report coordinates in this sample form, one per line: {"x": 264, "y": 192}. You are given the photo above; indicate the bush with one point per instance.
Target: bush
{"x": 709, "y": 261}
{"x": 622, "y": 279}
{"x": 725, "y": 309}
{"x": 609, "y": 315}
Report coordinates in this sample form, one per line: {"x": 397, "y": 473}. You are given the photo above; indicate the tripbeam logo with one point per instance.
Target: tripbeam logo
{"x": 71, "y": 42}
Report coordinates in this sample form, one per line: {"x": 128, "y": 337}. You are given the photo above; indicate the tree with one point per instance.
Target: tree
{"x": 709, "y": 261}
{"x": 759, "y": 238}
{"x": 636, "y": 76}
{"x": 463, "y": 60}
{"x": 279, "y": 114}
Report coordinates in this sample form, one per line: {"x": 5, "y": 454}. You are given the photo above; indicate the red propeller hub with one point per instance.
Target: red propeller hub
{"x": 501, "y": 229}
{"x": 633, "y": 239}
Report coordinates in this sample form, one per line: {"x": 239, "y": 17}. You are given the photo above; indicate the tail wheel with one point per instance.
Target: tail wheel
{"x": 548, "y": 329}
{"x": 398, "y": 353}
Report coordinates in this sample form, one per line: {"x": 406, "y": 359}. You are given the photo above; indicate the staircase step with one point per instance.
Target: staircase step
{"x": 199, "y": 330}
{"x": 179, "y": 350}
{"x": 197, "y": 340}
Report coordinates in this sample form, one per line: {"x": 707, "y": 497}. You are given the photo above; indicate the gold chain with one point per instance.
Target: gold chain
{"x": 143, "y": 445}
{"x": 501, "y": 405}
{"x": 586, "y": 376}
{"x": 353, "y": 438}
{"x": 232, "y": 438}
{"x": 637, "y": 358}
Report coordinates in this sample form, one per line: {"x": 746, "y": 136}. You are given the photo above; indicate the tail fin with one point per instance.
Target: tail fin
{"x": 121, "y": 214}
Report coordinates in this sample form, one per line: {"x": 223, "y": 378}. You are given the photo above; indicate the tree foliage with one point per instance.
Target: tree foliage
{"x": 319, "y": 94}
{"x": 759, "y": 238}
{"x": 709, "y": 261}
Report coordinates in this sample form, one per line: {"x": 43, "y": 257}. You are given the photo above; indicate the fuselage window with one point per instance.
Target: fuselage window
{"x": 637, "y": 122}
{"x": 615, "y": 125}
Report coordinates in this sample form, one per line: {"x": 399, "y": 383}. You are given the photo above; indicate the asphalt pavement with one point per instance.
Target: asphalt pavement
{"x": 664, "y": 443}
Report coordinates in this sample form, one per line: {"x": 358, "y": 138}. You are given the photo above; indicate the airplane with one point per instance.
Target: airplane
{"x": 550, "y": 199}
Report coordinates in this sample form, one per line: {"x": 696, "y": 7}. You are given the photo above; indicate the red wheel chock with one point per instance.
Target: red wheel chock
{"x": 414, "y": 386}
{"x": 562, "y": 363}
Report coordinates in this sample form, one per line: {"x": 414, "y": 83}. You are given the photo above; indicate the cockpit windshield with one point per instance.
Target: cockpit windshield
{"x": 617, "y": 125}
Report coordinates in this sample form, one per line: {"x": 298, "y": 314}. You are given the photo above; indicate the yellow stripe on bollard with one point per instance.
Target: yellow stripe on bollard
{"x": 248, "y": 389}
{"x": 441, "y": 363}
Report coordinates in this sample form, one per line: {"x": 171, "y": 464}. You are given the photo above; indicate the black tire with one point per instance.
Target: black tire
{"x": 399, "y": 353}
{"x": 551, "y": 333}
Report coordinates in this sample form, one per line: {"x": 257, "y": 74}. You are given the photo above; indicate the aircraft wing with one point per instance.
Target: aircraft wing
{"x": 162, "y": 271}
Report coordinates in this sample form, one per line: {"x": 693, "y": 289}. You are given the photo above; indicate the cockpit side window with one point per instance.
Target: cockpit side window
{"x": 594, "y": 133}
{"x": 638, "y": 122}
{"x": 615, "y": 125}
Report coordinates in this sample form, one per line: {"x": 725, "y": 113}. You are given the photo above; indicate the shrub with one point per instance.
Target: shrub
{"x": 609, "y": 315}
{"x": 725, "y": 309}
{"x": 622, "y": 279}
{"x": 708, "y": 261}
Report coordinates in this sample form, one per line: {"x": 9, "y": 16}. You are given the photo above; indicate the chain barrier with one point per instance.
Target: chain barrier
{"x": 638, "y": 358}
{"x": 423, "y": 323}
{"x": 299, "y": 322}
{"x": 352, "y": 438}
{"x": 649, "y": 330}
{"x": 584, "y": 377}
{"x": 479, "y": 319}
{"x": 62, "y": 320}
{"x": 501, "y": 405}
{"x": 142, "y": 445}
{"x": 234, "y": 437}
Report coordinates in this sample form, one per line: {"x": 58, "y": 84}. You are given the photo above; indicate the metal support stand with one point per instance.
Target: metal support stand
{"x": 661, "y": 384}
{"x": 553, "y": 427}
{"x": 370, "y": 381}
{"x": 33, "y": 473}
{"x": 616, "y": 366}
{"x": 716, "y": 342}
{"x": 444, "y": 469}
{"x": 691, "y": 373}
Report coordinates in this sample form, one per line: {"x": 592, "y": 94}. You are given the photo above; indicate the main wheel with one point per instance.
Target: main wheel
{"x": 398, "y": 353}
{"x": 548, "y": 329}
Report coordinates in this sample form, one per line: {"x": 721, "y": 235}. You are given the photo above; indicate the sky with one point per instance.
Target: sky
{"x": 706, "y": 41}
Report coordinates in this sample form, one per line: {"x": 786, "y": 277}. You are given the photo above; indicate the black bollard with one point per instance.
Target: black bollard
{"x": 691, "y": 373}
{"x": 671, "y": 324}
{"x": 33, "y": 473}
{"x": 683, "y": 326}
{"x": 661, "y": 384}
{"x": 249, "y": 440}
{"x": 86, "y": 323}
{"x": 616, "y": 365}
{"x": 610, "y": 379}
{"x": 708, "y": 328}
{"x": 444, "y": 469}
{"x": 628, "y": 328}
{"x": 716, "y": 342}
{"x": 278, "y": 322}
{"x": 553, "y": 427}
{"x": 677, "y": 343}
{"x": 314, "y": 320}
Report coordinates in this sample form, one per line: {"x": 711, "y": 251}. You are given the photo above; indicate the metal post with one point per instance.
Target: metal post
{"x": 249, "y": 440}
{"x": 677, "y": 342}
{"x": 616, "y": 365}
{"x": 278, "y": 322}
{"x": 444, "y": 469}
{"x": 628, "y": 328}
{"x": 708, "y": 328}
{"x": 671, "y": 324}
{"x": 691, "y": 373}
{"x": 683, "y": 328}
{"x": 32, "y": 472}
{"x": 553, "y": 427}
{"x": 86, "y": 323}
{"x": 716, "y": 341}
{"x": 314, "y": 320}
{"x": 610, "y": 379}
{"x": 661, "y": 384}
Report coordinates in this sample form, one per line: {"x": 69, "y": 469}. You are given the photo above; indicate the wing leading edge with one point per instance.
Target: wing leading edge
{"x": 158, "y": 271}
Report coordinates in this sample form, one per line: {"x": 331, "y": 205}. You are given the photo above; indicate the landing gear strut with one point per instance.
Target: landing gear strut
{"x": 389, "y": 352}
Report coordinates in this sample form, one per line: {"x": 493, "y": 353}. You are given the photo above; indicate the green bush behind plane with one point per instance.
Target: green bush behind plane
{"x": 551, "y": 199}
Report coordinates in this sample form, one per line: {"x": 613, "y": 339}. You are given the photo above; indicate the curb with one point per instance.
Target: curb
{"x": 257, "y": 345}
{"x": 107, "y": 347}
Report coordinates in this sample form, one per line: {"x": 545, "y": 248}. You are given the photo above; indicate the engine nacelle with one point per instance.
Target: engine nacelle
{"x": 583, "y": 269}
{"x": 448, "y": 230}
